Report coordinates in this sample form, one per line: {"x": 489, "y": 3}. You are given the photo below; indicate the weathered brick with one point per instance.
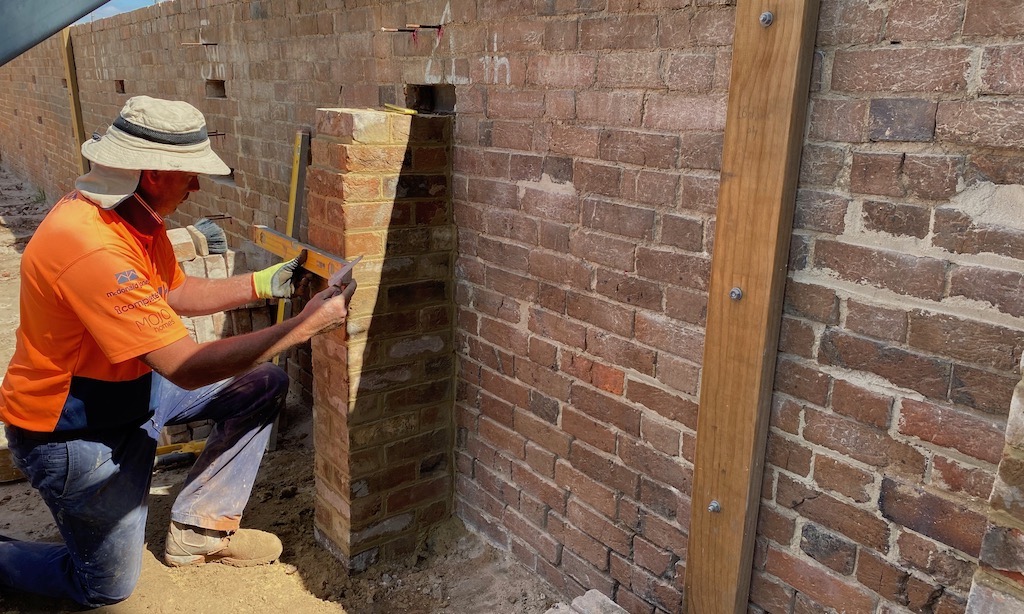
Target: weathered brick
{"x": 993, "y": 18}
{"x": 844, "y": 479}
{"x": 957, "y": 477}
{"x": 871, "y": 446}
{"x": 801, "y": 381}
{"x": 789, "y": 455}
{"x": 619, "y": 32}
{"x": 604, "y": 468}
{"x": 900, "y": 273}
{"x": 898, "y": 69}
{"x": 852, "y": 22}
{"x": 859, "y": 525}
{"x": 811, "y": 301}
{"x": 944, "y": 521}
{"x": 821, "y": 585}
{"x": 981, "y": 389}
{"x": 838, "y": 119}
{"x": 926, "y": 375}
{"x": 1003, "y": 70}
{"x": 943, "y": 564}
{"x": 1001, "y": 288}
{"x": 992, "y": 346}
{"x": 977, "y": 436}
{"x": 904, "y": 22}
{"x": 902, "y": 119}
{"x": 797, "y": 337}
{"x": 689, "y": 72}
{"x": 932, "y": 177}
{"x": 820, "y": 211}
{"x": 959, "y": 233}
{"x": 877, "y": 173}
{"x": 987, "y": 123}
{"x": 882, "y": 576}
{"x": 830, "y": 550}
{"x": 897, "y": 219}
{"x": 862, "y": 405}
{"x": 875, "y": 321}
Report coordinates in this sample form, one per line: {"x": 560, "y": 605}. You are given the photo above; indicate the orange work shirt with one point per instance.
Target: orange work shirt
{"x": 94, "y": 287}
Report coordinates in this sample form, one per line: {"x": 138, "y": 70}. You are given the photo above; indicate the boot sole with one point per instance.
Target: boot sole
{"x": 189, "y": 560}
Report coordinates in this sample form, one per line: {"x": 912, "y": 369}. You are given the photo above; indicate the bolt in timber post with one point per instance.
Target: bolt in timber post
{"x": 767, "y": 18}
{"x": 736, "y": 294}
{"x": 714, "y": 507}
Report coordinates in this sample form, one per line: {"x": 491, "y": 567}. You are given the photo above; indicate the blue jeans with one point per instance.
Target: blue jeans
{"x": 97, "y": 485}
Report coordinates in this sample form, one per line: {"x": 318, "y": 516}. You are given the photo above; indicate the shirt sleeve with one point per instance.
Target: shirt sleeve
{"x": 121, "y": 301}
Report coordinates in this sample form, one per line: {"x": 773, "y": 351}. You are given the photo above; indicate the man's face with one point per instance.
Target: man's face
{"x": 163, "y": 191}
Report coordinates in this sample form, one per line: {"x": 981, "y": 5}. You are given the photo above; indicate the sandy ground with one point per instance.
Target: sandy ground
{"x": 455, "y": 572}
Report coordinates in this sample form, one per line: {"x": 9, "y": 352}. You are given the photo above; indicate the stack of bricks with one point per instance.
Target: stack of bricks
{"x": 999, "y": 580}
{"x": 383, "y": 398}
{"x": 193, "y": 254}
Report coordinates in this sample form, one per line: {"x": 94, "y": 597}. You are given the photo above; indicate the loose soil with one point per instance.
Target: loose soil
{"x": 454, "y": 572}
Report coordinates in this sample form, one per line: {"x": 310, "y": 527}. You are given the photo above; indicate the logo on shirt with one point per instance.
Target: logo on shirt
{"x": 126, "y": 276}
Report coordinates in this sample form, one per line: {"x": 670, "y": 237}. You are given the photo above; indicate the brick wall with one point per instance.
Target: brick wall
{"x": 384, "y": 385}
{"x": 901, "y": 345}
{"x": 587, "y": 140}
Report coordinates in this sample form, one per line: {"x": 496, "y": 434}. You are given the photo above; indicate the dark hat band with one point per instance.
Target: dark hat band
{"x": 157, "y": 136}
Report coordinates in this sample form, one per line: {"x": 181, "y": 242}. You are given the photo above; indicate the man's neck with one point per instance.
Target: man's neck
{"x": 139, "y": 215}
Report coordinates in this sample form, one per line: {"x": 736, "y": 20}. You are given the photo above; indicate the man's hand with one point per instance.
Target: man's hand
{"x": 279, "y": 280}
{"x": 328, "y": 309}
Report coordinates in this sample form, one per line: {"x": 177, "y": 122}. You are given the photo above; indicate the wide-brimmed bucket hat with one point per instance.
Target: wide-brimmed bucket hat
{"x": 149, "y": 134}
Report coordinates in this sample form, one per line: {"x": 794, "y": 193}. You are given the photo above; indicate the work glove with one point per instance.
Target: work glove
{"x": 280, "y": 280}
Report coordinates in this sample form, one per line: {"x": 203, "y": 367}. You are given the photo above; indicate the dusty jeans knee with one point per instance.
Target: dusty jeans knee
{"x": 243, "y": 410}
{"x": 97, "y": 485}
{"x": 96, "y": 488}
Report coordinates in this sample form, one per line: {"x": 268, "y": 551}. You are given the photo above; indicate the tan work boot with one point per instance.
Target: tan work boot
{"x": 188, "y": 545}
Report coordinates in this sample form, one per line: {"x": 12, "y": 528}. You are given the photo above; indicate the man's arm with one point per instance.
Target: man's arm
{"x": 191, "y": 365}
{"x": 199, "y": 296}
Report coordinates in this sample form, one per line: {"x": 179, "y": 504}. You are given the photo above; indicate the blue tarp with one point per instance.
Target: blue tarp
{"x": 26, "y": 23}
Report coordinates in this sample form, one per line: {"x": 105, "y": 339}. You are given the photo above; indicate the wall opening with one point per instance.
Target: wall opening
{"x": 215, "y": 88}
{"x": 119, "y": 86}
{"x": 430, "y": 98}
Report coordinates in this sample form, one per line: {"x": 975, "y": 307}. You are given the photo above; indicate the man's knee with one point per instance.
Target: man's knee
{"x": 274, "y": 378}
{"x": 97, "y": 592}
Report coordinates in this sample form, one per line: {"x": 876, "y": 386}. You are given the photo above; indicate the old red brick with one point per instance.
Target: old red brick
{"x": 847, "y": 23}
{"x": 627, "y": 289}
{"x": 945, "y": 521}
{"x": 811, "y": 301}
{"x": 900, "y": 273}
{"x": 992, "y": 346}
{"x": 868, "y": 445}
{"x": 769, "y": 595}
{"x": 926, "y": 375}
{"x": 615, "y": 535}
{"x": 619, "y": 32}
{"x": 994, "y": 18}
{"x": 830, "y": 550}
{"x": 862, "y": 405}
{"x": 958, "y": 477}
{"x": 977, "y": 436}
{"x": 882, "y": 576}
{"x": 643, "y": 458}
{"x": 981, "y": 389}
{"x": 803, "y": 382}
{"x": 897, "y": 69}
{"x": 591, "y": 492}
{"x": 624, "y": 353}
{"x": 788, "y": 454}
{"x": 875, "y": 321}
{"x": 877, "y": 174}
{"x": 604, "y": 468}
{"x": 932, "y": 177}
{"x": 902, "y": 119}
{"x": 610, "y": 108}
{"x": 988, "y": 123}
{"x": 857, "y": 524}
{"x": 821, "y": 585}
{"x": 896, "y": 219}
{"x": 797, "y": 337}
{"x": 957, "y": 232}
{"x": 844, "y": 479}
{"x": 942, "y": 564}
{"x": 601, "y": 249}
{"x": 1001, "y": 288}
